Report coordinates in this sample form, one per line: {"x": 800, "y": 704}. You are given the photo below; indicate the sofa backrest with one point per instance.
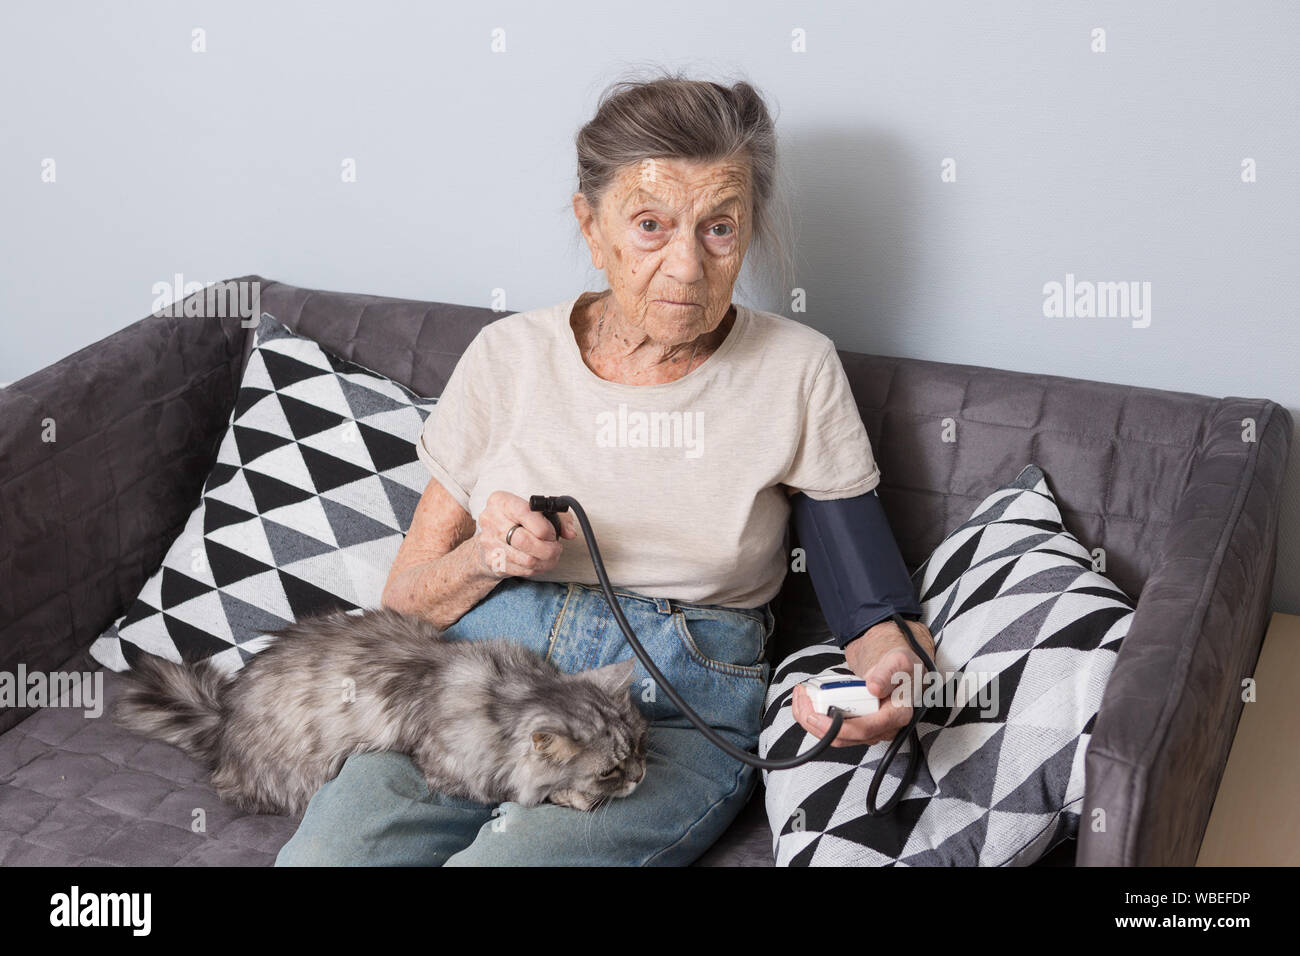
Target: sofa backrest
{"x": 945, "y": 436}
{"x": 1117, "y": 457}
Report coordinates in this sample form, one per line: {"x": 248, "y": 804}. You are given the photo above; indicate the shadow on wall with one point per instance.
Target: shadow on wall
{"x": 862, "y": 222}
{"x": 854, "y": 229}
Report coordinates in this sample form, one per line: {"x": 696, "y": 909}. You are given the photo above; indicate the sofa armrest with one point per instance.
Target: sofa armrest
{"x": 136, "y": 419}
{"x": 1171, "y": 707}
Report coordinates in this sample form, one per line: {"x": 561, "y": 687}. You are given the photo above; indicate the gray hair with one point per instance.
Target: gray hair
{"x": 671, "y": 116}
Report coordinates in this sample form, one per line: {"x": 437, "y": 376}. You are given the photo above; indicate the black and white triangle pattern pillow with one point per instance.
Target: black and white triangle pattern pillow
{"x": 1029, "y": 632}
{"x": 315, "y": 483}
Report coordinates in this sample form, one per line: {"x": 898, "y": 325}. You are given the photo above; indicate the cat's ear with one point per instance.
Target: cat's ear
{"x": 613, "y": 678}
{"x": 554, "y": 745}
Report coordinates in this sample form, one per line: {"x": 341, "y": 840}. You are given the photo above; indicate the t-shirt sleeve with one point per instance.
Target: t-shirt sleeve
{"x": 833, "y": 458}
{"x": 457, "y": 433}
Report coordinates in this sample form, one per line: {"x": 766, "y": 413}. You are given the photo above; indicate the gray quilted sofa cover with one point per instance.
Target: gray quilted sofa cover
{"x": 1186, "y": 510}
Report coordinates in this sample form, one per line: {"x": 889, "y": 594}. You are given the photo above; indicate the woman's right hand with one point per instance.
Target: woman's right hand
{"x": 533, "y": 548}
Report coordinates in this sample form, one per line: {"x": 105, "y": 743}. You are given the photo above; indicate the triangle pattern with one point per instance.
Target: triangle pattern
{"x": 1026, "y": 635}
{"x": 315, "y": 483}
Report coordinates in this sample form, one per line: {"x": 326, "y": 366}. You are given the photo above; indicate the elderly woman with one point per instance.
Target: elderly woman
{"x": 681, "y": 421}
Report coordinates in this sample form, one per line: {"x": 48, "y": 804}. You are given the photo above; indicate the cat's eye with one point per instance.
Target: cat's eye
{"x": 608, "y": 773}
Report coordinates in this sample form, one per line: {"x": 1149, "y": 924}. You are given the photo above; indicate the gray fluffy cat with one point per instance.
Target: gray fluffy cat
{"x": 489, "y": 721}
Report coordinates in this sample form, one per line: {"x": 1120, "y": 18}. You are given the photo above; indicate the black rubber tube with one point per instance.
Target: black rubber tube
{"x": 549, "y": 504}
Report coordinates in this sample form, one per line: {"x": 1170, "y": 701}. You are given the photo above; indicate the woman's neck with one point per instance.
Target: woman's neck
{"x": 626, "y": 355}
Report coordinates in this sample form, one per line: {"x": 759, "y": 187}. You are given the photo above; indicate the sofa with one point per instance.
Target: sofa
{"x": 1181, "y": 492}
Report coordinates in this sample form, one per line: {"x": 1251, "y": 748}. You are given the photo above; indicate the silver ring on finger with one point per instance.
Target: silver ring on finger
{"x": 511, "y": 532}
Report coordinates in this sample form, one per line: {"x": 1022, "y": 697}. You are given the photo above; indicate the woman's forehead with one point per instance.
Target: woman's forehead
{"x": 673, "y": 181}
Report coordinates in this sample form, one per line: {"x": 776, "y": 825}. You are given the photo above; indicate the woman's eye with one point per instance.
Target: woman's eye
{"x": 651, "y": 221}
{"x": 722, "y": 225}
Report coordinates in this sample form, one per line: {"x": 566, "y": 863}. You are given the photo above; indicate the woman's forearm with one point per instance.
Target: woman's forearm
{"x": 442, "y": 589}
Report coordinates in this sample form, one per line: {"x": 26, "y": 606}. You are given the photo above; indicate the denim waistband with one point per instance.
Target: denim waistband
{"x": 668, "y": 605}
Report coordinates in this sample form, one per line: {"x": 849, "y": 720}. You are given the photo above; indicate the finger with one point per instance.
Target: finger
{"x": 897, "y": 661}
{"x": 803, "y": 707}
{"x": 880, "y": 678}
{"x": 870, "y": 728}
{"x": 799, "y": 706}
{"x": 811, "y": 721}
{"x": 895, "y": 717}
{"x": 818, "y": 725}
{"x": 854, "y": 732}
{"x": 529, "y": 551}
{"x": 517, "y": 512}
{"x": 516, "y": 558}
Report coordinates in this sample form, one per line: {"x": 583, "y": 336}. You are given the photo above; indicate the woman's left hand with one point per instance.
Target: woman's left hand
{"x": 876, "y": 657}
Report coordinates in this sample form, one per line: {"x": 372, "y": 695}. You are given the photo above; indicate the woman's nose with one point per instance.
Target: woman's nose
{"x": 683, "y": 261}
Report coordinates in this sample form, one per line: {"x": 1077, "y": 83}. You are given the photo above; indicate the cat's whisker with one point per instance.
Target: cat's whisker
{"x": 595, "y": 823}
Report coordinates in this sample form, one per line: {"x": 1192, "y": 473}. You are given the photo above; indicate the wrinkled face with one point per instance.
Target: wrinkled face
{"x": 671, "y": 235}
{"x": 599, "y": 752}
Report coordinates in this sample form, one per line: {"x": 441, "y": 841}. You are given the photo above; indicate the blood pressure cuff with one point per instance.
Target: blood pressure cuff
{"x": 856, "y": 567}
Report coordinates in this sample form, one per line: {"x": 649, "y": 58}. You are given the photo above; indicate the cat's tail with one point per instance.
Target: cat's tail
{"x": 178, "y": 703}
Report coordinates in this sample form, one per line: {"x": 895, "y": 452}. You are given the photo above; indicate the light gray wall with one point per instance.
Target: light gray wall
{"x": 1117, "y": 166}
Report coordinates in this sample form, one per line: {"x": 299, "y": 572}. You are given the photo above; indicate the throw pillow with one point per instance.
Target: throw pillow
{"x": 314, "y": 484}
{"x": 1026, "y": 632}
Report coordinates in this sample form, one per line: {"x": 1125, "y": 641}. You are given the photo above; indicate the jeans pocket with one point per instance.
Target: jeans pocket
{"x": 730, "y": 643}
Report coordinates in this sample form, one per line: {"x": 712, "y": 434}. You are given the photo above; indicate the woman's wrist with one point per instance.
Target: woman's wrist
{"x": 444, "y": 589}
{"x": 472, "y": 578}
{"x": 879, "y": 639}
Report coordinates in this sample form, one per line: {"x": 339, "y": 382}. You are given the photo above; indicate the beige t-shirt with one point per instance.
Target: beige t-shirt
{"x": 681, "y": 481}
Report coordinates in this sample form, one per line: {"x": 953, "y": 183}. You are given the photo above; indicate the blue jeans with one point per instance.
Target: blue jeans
{"x": 379, "y": 810}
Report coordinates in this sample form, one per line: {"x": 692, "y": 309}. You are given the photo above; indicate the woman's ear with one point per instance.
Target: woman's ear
{"x": 586, "y": 217}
